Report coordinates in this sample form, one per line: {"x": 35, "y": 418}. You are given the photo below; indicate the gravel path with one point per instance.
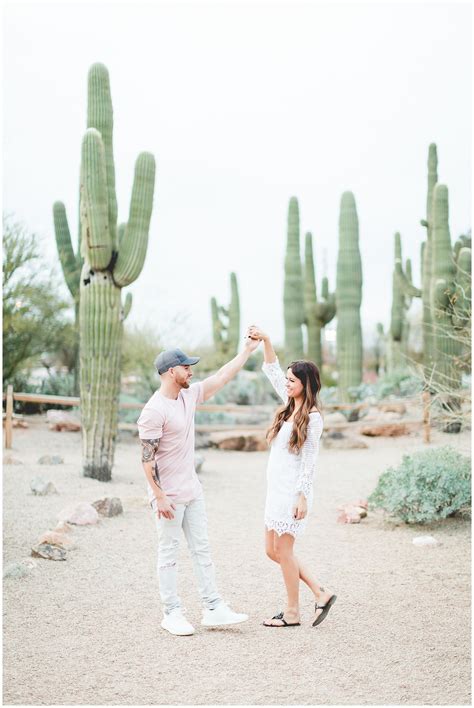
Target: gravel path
{"x": 87, "y": 631}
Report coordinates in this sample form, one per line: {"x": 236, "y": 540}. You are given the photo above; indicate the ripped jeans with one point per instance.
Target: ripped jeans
{"x": 190, "y": 517}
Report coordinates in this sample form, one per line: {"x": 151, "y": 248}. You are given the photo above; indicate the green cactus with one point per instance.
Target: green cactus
{"x": 317, "y": 313}
{"x": 446, "y": 350}
{"x": 226, "y": 323}
{"x": 293, "y": 296}
{"x": 71, "y": 264}
{"x": 380, "y": 349}
{"x": 112, "y": 259}
{"x": 348, "y": 299}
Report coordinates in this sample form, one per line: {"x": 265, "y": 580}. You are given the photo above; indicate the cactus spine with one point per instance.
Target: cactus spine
{"x": 318, "y": 313}
{"x": 226, "y": 322}
{"x": 348, "y": 299}
{"x": 293, "y": 297}
{"x": 107, "y": 267}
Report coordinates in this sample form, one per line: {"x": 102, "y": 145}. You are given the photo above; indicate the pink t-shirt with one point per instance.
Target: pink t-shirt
{"x": 172, "y": 421}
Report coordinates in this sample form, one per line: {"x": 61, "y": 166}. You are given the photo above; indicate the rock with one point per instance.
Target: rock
{"x": 352, "y": 509}
{"x": 62, "y": 527}
{"x": 51, "y": 460}
{"x": 198, "y": 462}
{"x": 109, "y": 506}
{"x": 337, "y": 441}
{"x": 80, "y": 514}
{"x": 393, "y": 408}
{"x": 334, "y": 418}
{"x": 45, "y": 550}
{"x": 19, "y": 569}
{"x": 348, "y": 518}
{"x": 248, "y": 441}
{"x": 19, "y": 423}
{"x": 61, "y": 420}
{"x": 41, "y": 488}
{"x": 54, "y": 538}
{"x": 10, "y": 460}
{"x": 386, "y": 430}
{"x": 424, "y": 541}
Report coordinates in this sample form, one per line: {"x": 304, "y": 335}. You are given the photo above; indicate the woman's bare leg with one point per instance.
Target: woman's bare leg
{"x": 305, "y": 575}
{"x": 283, "y": 546}
{"x": 320, "y": 593}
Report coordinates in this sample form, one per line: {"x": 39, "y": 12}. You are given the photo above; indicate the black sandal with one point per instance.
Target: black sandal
{"x": 285, "y": 624}
{"x": 325, "y": 609}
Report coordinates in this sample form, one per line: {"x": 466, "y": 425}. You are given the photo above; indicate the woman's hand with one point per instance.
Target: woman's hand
{"x": 301, "y": 508}
{"x": 257, "y": 333}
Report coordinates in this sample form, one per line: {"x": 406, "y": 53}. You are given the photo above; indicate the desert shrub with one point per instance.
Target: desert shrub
{"x": 398, "y": 383}
{"x": 426, "y": 486}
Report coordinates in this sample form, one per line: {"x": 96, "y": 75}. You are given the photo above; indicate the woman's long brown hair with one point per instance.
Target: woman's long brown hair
{"x": 308, "y": 374}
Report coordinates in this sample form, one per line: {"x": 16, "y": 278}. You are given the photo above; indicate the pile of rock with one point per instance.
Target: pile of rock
{"x": 352, "y": 512}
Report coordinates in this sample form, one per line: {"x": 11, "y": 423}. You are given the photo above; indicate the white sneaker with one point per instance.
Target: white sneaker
{"x": 222, "y": 615}
{"x": 176, "y": 623}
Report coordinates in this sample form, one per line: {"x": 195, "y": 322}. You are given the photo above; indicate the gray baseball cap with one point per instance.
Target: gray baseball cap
{"x": 173, "y": 357}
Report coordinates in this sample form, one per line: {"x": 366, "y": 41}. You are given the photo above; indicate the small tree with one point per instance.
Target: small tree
{"x": 33, "y": 313}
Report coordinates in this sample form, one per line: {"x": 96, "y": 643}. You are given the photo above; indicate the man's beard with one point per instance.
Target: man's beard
{"x": 185, "y": 384}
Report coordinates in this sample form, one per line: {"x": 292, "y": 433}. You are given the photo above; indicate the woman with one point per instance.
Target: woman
{"x": 294, "y": 438}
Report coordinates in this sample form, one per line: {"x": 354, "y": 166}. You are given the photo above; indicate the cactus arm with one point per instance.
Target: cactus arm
{"x": 69, "y": 262}
{"x": 325, "y": 289}
{"x": 95, "y": 243}
{"x": 100, "y": 117}
{"x": 216, "y": 324}
{"x": 310, "y": 294}
{"x": 233, "y": 335}
{"x": 404, "y": 283}
{"x": 293, "y": 292}
{"x": 127, "y": 306}
{"x": 463, "y": 297}
{"x": 135, "y": 239}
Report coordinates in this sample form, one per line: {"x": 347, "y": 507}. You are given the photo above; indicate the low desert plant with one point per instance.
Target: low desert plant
{"x": 427, "y": 486}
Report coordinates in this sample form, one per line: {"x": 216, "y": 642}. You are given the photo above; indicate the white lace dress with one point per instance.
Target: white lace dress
{"x": 289, "y": 474}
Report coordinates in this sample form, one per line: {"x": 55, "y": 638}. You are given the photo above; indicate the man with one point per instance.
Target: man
{"x": 166, "y": 429}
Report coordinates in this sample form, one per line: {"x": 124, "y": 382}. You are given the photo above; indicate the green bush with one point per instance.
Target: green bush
{"x": 426, "y": 486}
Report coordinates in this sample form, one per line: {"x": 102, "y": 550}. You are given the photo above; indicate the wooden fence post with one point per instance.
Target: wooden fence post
{"x": 9, "y": 418}
{"x": 426, "y": 417}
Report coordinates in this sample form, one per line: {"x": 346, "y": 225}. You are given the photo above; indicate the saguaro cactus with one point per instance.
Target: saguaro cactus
{"x": 226, "y": 322}
{"x": 348, "y": 299}
{"x": 401, "y": 301}
{"x": 112, "y": 258}
{"x": 446, "y": 349}
{"x": 293, "y": 297}
{"x": 318, "y": 313}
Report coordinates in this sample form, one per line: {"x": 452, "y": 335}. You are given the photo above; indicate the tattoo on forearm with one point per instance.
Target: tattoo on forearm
{"x": 156, "y": 475}
{"x": 149, "y": 449}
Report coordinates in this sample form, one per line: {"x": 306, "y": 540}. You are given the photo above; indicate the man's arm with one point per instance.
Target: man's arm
{"x": 214, "y": 383}
{"x": 163, "y": 505}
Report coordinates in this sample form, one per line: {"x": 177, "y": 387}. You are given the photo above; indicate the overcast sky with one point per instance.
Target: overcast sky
{"x": 243, "y": 106}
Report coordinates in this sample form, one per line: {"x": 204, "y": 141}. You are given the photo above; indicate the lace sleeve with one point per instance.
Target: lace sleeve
{"x": 277, "y": 378}
{"x": 309, "y": 454}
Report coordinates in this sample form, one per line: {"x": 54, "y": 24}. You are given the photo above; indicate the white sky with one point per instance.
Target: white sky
{"x": 243, "y": 106}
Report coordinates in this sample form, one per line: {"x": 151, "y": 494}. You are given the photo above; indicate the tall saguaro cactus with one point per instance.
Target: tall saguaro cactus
{"x": 318, "y": 312}
{"x": 113, "y": 258}
{"x": 348, "y": 299}
{"x": 226, "y": 322}
{"x": 293, "y": 297}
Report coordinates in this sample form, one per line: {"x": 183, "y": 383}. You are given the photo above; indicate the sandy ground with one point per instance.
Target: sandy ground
{"x": 87, "y": 630}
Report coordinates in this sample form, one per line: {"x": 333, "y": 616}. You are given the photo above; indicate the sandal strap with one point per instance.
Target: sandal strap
{"x": 278, "y": 617}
